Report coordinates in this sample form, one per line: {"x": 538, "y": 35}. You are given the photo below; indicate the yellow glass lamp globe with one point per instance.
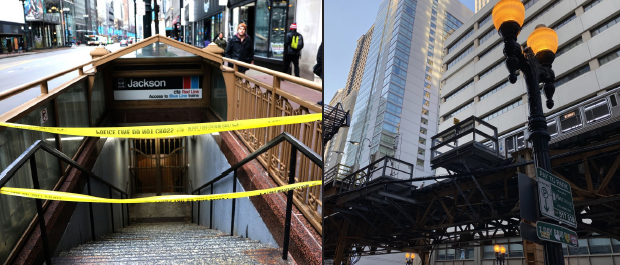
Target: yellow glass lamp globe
{"x": 413, "y": 255}
{"x": 508, "y": 10}
{"x": 503, "y": 250}
{"x": 407, "y": 255}
{"x": 496, "y": 248}
{"x": 543, "y": 38}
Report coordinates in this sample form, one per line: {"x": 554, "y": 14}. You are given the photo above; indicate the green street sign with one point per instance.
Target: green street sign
{"x": 555, "y": 198}
{"x": 556, "y": 233}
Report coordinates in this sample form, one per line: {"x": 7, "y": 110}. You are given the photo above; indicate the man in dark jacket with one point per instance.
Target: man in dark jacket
{"x": 241, "y": 47}
{"x": 318, "y": 68}
{"x": 292, "y": 49}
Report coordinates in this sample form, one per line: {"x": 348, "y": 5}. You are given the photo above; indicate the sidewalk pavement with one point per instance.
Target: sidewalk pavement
{"x": 14, "y": 54}
{"x": 295, "y": 89}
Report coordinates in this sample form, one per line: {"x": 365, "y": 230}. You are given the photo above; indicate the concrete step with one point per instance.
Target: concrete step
{"x": 171, "y": 243}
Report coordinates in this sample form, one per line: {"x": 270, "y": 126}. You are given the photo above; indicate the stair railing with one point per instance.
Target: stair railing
{"x": 296, "y": 145}
{"x": 28, "y": 156}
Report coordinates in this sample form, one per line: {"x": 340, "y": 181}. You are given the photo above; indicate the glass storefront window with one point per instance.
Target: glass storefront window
{"x": 262, "y": 28}
{"x": 278, "y": 28}
{"x": 599, "y": 246}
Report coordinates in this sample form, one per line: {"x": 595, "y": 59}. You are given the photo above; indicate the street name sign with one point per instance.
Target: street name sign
{"x": 555, "y": 198}
{"x": 556, "y": 233}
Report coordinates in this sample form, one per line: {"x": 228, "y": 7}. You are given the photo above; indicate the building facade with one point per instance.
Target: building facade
{"x": 13, "y": 28}
{"x": 480, "y": 4}
{"x": 396, "y": 108}
{"x": 359, "y": 61}
{"x": 475, "y": 79}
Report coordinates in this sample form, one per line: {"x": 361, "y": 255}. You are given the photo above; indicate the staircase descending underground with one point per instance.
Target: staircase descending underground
{"x": 171, "y": 243}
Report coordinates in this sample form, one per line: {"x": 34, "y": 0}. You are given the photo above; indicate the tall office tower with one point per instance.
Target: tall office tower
{"x": 397, "y": 104}
{"x": 359, "y": 61}
{"x": 475, "y": 79}
{"x": 480, "y": 4}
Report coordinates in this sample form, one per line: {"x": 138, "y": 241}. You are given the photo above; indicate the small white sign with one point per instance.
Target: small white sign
{"x": 157, "y": 94}
{"x": 43, "y": 115}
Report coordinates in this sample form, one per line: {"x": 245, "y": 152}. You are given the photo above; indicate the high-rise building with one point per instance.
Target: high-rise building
{"x": 480, "y": 4}
{"x": 359, "y": 61}
{"x": 397, "y": 104}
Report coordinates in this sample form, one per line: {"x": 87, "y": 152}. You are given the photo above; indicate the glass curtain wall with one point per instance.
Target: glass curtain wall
{"x": 357, "y": 130}
{"x": 73, "y": 112}
{"x": 393, "y": 91}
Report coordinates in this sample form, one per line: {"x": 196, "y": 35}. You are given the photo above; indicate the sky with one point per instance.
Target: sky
{"x": 347, "y": 21}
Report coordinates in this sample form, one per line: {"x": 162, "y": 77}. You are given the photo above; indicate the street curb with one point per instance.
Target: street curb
{"x": 31, "y": 53}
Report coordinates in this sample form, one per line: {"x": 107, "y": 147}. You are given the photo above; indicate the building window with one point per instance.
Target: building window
{"x": 609, "y": 57}
{"x": 431, "y": 39}
{"x": 461, "y": 40}
{"x": 425, "y": 102}
{"x": 495, "y": 89}
{"x": 564, "y": 22}
{"x": 615, "y": 244}
{"x": 530, "y": 3}
{"x": 485, "y": 53}
{"x": 421, "y": 151}
{"x": 591, "y": 5}
{"x": 420, "y": 162}
{"x": 487, "y": 72}
{"x": 424, "y": 121}
{"x": 458, "y": 110}
{"x": 427, "y": 94}
{"x": 431, "y": 47}
{"x": 541, "y": 13}
{"x": 503, "y": 110}
{"x": 422, "y": 140}
{"x": 572, "y": 75}
{"x": 487, "y": 36}
{"x": 461, "y": 56}
{"x": 599, "y": 246}
{"x": 581, "y": 250}
{"x": 484, "y": 20}
{"x": 427, "y": 85}
{"x": 488, "y": 252}
{"x": 429, "y": 62}
{"x": 570, "y": 121}
{"x": 460, "y": 90}
{"x": 569, "y": 47}
{"x": 424, "y": 111}
{"x": 430, "y": 54}
{"x": 423, "y": 131}
{"x": 428, "y": 77}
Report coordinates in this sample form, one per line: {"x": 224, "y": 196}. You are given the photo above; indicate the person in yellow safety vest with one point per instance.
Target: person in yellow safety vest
{"x": 292, "y": 49}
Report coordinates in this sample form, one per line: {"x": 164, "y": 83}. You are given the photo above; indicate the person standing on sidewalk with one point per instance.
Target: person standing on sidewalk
{"x": 220, "y": 41}
{"x": 292, "y": 49}
{"x": 318, "y": 68}
{"x": 241, "y": 48}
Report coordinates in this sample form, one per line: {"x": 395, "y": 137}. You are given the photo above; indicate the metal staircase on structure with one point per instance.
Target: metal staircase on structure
{"x": 334, "y": 118}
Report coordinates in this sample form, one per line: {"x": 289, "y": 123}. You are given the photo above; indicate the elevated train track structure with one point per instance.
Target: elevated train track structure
{"x": 382, "y": 208}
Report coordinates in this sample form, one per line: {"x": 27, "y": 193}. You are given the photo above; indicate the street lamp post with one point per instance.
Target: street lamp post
{"x": 500, "y": 254}
{"x": 535, "y": 64}
{"x": 409, "y": 258}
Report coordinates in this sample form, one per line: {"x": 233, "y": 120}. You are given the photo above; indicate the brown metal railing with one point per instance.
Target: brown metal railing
{"x": 257, "y": 99}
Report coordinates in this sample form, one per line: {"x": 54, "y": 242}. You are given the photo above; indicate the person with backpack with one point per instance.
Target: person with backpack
{"x": 292, "y": 49}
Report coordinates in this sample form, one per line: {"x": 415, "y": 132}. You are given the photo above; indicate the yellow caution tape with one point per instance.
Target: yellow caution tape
{"x": 170, "y": 130}
{"x": 73, "y": 197}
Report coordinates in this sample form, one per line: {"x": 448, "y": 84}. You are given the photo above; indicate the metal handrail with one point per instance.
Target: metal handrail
{"x": 293, "y": 79}
{"x": 371, "y": 168}
{"x": 28, "y": 156}
{"x": 296, "y": 145}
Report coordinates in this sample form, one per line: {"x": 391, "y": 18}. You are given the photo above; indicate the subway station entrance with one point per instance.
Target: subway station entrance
{"x": 160, "y": 82}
